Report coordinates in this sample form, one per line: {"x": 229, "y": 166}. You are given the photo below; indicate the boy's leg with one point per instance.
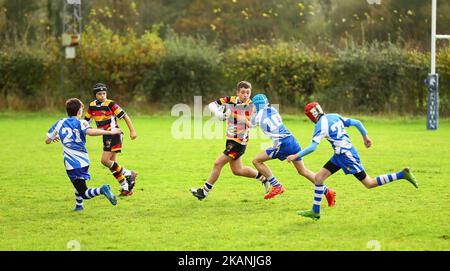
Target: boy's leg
{"x": 328, "y": 169}
{"x": 369, "y": 182}
{"x": 201, "y": 193}
{"x": 83, "y": 192}
{"x": 263, "y": 169}
{"x": 330, "y": 194}
{"x": 109, "y": 160}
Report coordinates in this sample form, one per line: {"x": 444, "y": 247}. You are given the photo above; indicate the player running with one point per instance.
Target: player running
{"x": 237, "y": 111}
{"x": 332, "y": 127}
{"x": 271, "y": 123}
{"x": 72, "y": 132}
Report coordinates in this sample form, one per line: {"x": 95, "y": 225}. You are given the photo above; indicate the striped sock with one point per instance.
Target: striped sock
{"x": 274, "y": 182}
{"x": 325, "y": 189}
{"x": 387, "y": 178}
{"x": 206, "y": 188}
{"x": 116, "y": 170}
{"x": 79, "y": 200}
{"x": 93, "y": 192}
{"x": 318, "y": 193}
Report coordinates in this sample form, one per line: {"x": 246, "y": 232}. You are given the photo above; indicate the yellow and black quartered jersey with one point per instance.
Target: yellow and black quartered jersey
{"x": 105, "y": 114}
{"x": 237, "y": 130}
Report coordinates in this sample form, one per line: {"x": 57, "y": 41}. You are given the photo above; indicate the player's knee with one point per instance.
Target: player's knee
{"x": 106, "y": 162}
{"x": 256, "y": 162}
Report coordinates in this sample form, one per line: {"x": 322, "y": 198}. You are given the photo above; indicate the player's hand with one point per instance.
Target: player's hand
{"x": 56, "y": 139}
{"x": 367, "y": 141}
{"x": 116, "y": 131}
{"x": 292, "y": 157}
{"x": 133, "y": 135}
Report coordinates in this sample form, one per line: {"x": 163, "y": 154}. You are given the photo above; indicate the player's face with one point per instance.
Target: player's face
{"x": 101, "y": 96}
{"x": 244, "y": 94}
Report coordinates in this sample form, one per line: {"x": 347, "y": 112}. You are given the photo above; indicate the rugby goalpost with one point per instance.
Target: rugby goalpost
{"x": 432, "y": 80}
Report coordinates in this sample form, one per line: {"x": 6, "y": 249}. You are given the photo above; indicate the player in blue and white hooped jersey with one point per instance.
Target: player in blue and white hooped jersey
{"x": 332, "y": 127}
{"x": 285, "y": 144}
{"x": 72, "y": 131}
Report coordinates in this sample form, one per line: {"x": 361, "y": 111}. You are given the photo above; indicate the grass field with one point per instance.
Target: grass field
{"x": 37, "y": 198}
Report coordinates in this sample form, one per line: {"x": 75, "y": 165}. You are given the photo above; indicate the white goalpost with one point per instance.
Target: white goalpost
{"x": 433, "y": 78}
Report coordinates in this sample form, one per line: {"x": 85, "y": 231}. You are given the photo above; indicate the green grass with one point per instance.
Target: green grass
{"x": 37, "y": 198}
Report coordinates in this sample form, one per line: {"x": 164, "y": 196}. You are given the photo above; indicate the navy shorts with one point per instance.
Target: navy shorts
{"x": 79, "y": 173}
{"x": 285, "y": 147}
{"x": 349, "y": 161}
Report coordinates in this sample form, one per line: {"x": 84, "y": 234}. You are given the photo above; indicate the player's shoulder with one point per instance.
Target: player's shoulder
{"x": 92, "y": 103}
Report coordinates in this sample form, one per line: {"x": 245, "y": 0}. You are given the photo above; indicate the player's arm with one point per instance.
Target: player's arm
{"x": 312, "y": 147}
{"x": 214, "y": 107}
{"x": 358, "y": 124}
{"x": 130, "y": 126}
{"x": 49, "y": 140}
{"x": 98, "y": 132}
{"x": 52, "y": 134}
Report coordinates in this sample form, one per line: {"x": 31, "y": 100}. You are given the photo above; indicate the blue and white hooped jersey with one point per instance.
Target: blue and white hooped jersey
{"x": 331, "y": 127}
{"x": 72, "y": 134}
{"x": 271, "y": 123}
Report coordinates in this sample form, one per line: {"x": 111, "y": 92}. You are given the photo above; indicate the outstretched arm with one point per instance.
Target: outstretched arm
{"x": 130, "y": 126}
{"x": 303, "y": 152}
{"x": 97, "y": 132}
{"x": 358, "y": 124}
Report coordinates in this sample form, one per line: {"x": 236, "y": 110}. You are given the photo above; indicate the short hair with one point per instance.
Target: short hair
{"x": 72, "y": 106}
{"x": 243, "y": 84}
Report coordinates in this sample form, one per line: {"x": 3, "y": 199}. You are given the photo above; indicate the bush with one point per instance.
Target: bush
{"x": 288, "y": 73}
{"x": 190, "y": 67}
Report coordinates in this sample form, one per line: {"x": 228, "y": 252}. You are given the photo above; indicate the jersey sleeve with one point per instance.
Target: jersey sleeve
{"x": 224, "y": 100}
{"x": 117, "y": 110}
{"x": 319, "y": 132}
{"x": 88, "y": 115}
{"x": 346, "y": 121}
{"x": 84, "y": 126}
{"x": 52, "y": 132}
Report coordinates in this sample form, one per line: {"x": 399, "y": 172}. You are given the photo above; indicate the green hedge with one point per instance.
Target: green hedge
{"x": 376, "y": 78}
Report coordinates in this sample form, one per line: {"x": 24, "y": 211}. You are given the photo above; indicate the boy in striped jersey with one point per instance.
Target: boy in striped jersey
{"x": 237, "y": 112}
{"x": 332, "y": 127}
{"x": 72, "y": 133}
{"x": 105, "y": 112}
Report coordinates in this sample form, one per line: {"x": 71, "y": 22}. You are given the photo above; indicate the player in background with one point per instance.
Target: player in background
{"x": 285, "y": 144}
{"x": 332, "y": 127}
{"x": 106, "y": 112}
{"x": 237, "y": 111}
{"x": 72, "y": 133}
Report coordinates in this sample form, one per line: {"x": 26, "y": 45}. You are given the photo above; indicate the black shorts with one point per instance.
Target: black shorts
{"x": 234, "y": 149}
{"x": 112, "y": 143}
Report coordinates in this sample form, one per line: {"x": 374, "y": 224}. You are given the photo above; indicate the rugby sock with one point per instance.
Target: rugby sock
{"x": 206, "y": 188}
{"x": 79, "y": 200}
{"x": 318, "y": 193}
{"x": 387, "y": 178}
{"x": 325, "y": 189}
{"x": 116, "y": 170}
{"x": 274, "y": 182}
{"x": 93, "y": 192}
{"x": 126, "y": 172}
{"x": 260, "y": 177}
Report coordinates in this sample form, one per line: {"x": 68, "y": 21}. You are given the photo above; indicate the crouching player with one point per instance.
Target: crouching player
{"x": 332, "y": 127}
{"x": 240, "y": 111}
{"x": 72, "y": 133}
{"x": 285, "y": 144}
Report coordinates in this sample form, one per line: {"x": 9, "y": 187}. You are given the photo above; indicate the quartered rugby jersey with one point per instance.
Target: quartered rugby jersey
{"x": 105, "y": 114}
{"x": 72, "y": 134}
{"x": 237, "y": 130}
{"x": 271, "y": 123}
{"x": 332, "y": 127}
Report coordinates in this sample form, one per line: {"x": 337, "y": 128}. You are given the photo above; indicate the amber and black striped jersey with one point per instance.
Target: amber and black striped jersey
{"x": 105, "y": 114}
{"x": 237, "y": 130}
